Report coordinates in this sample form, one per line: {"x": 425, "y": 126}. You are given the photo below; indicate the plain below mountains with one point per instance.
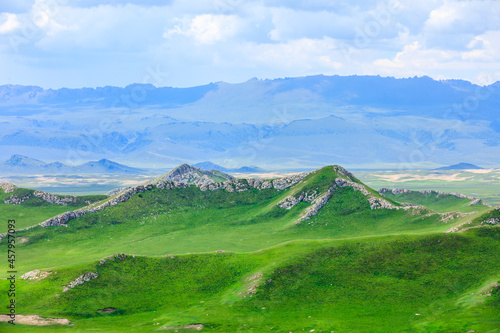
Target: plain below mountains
{"x": 23, "y": 164}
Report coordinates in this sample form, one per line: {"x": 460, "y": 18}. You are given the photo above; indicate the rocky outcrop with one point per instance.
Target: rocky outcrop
{"x": 466, "y": 225}
{"x": 176, "y": 179}
{"x": 318, "y": 203}
{"x": 192, "y": 175}
{"x": 16, "y": 200}
{"x": 446, "y": 217}
{"x": 55, "y": 199}
{"x": 343, "y": 172}
{"x": 395, "y": 191}
{"x": 290, "y": 201}
{"x": 492, "y": 221}
{"x": 48, "y": 197}
{"x": 288, "y": 181}
{"x": 80, "y": 280}
{"x": 474, "y": 201}
{"x": 118, "y": 256}
{"x": 375, "y": 202}
{"x": 8, "y": 187}
{"x": 116, "y": 191}
{"x": 63, "y": 218}
{"x": 35, "y": 275}
{"x": 379, "y": 203}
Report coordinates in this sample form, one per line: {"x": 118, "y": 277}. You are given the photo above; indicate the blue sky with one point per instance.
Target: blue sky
{"x": 63, "y": 43}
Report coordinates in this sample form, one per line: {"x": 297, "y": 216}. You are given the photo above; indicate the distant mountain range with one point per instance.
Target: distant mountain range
{"x": 305, "y": 122}
{"x": 24, "y": 164}
{"x": 460, "y": 166}
{"x": 212, "y": 166}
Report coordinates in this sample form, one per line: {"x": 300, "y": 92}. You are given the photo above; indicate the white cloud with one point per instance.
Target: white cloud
{"x": 455, "y": 23}
{"x": 304, "y": 54}
{"x": 9, "y": 23}
{"x": 484, "y": 48}
{"x": 206, "y": 28}
{"x": 464, "y": 17}
{"x": 200, "y": 41}
{"x": 415, "y": 57}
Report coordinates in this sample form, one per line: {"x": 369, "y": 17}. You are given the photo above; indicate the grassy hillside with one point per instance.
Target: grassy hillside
{"x": 188, "y": 220}
{"x": 36, "y": 210}
{"x": 439, "y": 202}
{"x": 242, "y": 260}
{"x": 420, "y": 283}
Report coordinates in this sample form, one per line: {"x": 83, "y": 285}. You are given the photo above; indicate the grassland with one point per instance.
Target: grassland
{"x": 483, "y": 184}
{"x": 162, "y": 222}
{"x": 419, "y": 283}
{"x": 438, "y": 202}
{"x": 35, "y": 210}
{"x": 236, "y": 261}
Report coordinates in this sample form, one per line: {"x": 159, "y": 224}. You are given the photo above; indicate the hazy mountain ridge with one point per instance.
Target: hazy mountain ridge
{"x": 288, "y": 122}
{"x": 24, "y": 164}
{"x": 207, "y": 165}
{"x": 460, "y": 166}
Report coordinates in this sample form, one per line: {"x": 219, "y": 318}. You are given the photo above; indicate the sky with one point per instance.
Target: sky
{"x": 89, "y": 43}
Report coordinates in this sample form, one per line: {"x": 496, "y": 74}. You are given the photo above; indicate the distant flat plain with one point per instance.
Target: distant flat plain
{"x": 483, "y": 183}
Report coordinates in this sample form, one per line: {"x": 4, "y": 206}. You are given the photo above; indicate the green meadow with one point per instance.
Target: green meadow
{"x": 219, "y": 261}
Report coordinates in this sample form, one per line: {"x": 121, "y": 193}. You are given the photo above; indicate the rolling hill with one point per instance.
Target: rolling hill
{"x": 316, "y": 251}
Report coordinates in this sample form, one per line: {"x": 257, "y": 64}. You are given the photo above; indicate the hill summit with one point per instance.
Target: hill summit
{"x": 189, "y": 174}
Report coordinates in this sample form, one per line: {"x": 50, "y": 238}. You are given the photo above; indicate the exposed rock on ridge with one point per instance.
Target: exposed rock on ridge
{"x": 48, "y": 197}
{"x": 8, "y": 187}
{"x": 375, "y": 202}
{"x": 192, "y": 175}
{"x": 474, "y": 201}
{"x": 80, "y": 280}
{"x": 181, "y": 177}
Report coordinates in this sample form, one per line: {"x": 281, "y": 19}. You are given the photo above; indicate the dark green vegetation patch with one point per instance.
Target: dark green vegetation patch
{"x": 391, "y": 284}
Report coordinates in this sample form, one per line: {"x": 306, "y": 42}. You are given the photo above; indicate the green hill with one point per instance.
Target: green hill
{"x": 313, "y": 251}
{"x": 30, "y": 207}
{"x": 171, "y": 217}
{"x": 437, "y": 200}
{"x": 416, "y": 283}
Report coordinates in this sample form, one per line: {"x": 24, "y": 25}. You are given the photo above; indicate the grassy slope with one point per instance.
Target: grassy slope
{"x": 329, "y": 273}
{"x": 439, "y": 203}
{"x": 36, "y": 210}
{"x": 160, "y": 222}
{"x": 480, "y": 185}
{"x": 364, "y": 285}
{"x": 481, "y": 219}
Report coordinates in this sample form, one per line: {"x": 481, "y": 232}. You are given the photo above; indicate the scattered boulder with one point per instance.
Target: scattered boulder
{"x": 194, "y": 327}
{"x": 107, "y": 310}
{"x": 80, "y": 280}
{"x": 35, "y": 275}
{"x": 492, "y": 221}
{"x": 35, "y": 320}
{"x": 16, "y": 200}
